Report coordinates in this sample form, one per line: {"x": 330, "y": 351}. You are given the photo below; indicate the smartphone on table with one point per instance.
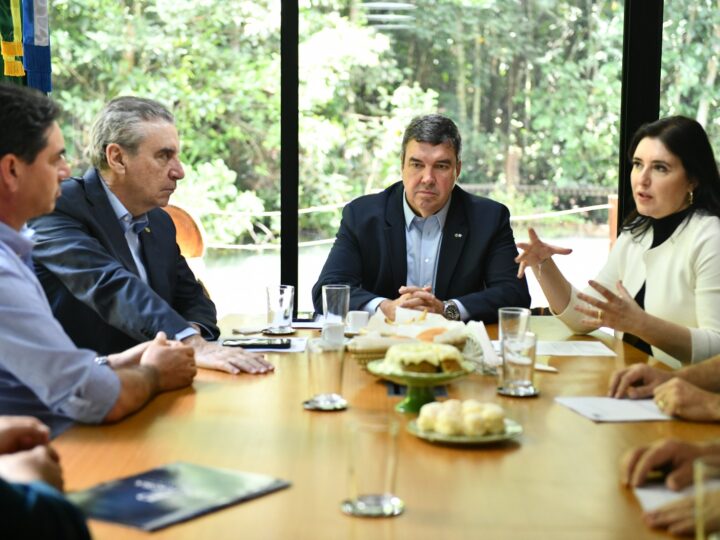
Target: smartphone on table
{"x": 258, "y": 343}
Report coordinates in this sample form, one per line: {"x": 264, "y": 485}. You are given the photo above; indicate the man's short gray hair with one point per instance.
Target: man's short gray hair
{"x": 120, "y": 122}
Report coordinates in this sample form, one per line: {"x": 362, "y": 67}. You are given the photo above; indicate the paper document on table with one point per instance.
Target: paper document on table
{"x": 316, "y": 324}
{"x": 567, "y": 348}
{"x": 573, "y": 348}
{"x": 605, "y": 409}
{"x": 654, "y": 496}
{"x": 296, "y": 345}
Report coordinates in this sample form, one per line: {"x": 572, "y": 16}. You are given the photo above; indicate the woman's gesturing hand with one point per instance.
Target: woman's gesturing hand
{"x": 535, "y": 252}
{"x": 618, "y": 311}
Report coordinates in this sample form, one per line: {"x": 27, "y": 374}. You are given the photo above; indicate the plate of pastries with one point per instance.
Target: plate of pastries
{"x": 464, "y": 422}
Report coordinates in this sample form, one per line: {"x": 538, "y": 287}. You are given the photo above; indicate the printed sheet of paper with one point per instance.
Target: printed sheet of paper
{"x": 568, "y": 348}
{"x": 654, "y": 496}
{"x": 573, "y": 348}
{"x": 316, "y": 324}
{"x": 605, "y": 409}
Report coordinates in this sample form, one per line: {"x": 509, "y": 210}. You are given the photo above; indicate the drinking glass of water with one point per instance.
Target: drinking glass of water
{"x": 518, "y": 367}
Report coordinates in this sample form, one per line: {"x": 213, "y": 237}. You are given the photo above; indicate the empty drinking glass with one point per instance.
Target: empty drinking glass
{"x": 325, "y": 362}
{"x": 336, "y": 301}
{"x": 372, "y": 445}
{"x": 280, "y": 300}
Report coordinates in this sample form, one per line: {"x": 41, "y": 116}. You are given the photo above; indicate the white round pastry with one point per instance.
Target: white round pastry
{"x": 472, "y": 405}
{"x": 474, "y": 423}
{"x": 454, "y": 405}
{"x": 494, "y": 418}
{"x": 428, "y": 416}
{"x": 449, "y": 421}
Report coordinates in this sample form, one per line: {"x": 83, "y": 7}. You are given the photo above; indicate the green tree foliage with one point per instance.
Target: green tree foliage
{"x": 537, "y": 92}
{"x": 691, "y": 48}
{"x": 216, "y": 64}
{"x": 533, "y": 84}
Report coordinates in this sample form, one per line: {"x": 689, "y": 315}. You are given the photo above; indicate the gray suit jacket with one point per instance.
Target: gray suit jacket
{"x": 84, "y": 264}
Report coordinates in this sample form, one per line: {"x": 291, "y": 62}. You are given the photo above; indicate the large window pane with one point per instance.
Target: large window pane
{"x": 534, "y": 86}
{"x": 691, "y": 44}
{"x": 216, "y": 64}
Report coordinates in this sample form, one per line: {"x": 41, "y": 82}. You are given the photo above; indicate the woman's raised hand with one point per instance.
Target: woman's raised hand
{"x": 535, "y": 252}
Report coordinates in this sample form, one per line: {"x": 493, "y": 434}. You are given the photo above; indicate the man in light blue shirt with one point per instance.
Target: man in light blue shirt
{"x": 42, "y": 373}
{"x": 425, "y": 243}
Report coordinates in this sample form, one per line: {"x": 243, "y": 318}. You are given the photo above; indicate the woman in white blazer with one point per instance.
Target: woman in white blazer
{"x": 660, "y": 287}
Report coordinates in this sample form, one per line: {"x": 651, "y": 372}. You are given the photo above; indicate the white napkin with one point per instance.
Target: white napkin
{"x": 478, "y": 331}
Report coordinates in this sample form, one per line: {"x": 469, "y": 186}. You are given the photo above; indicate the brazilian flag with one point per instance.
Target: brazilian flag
{"x": 25, "y": 37}
{"x": 11, "y": 42}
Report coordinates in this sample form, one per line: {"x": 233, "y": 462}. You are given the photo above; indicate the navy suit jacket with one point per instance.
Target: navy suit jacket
{"x": 85, "y": 266}
{"x": 37, "y": 510}
{"x": 476, "y": 263}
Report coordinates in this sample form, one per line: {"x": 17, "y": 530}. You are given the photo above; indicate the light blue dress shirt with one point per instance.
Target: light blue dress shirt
{"x": 42, "y": 373}
{"x": 132, "y": 228}
{"x": 423, "y": 238}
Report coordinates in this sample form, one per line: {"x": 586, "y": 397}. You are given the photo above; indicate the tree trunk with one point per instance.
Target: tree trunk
{"x": 712, "y": 67}
{"x": 460, "y": 90}
{"x": 477, "y": 81}
{"x": 353, "y": 11}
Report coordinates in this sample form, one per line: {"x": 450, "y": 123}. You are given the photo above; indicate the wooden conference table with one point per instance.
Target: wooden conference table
{"x": 560, "y": 481}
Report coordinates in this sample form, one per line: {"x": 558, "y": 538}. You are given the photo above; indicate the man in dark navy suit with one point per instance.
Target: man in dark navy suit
{"x": 107, "y": 256}
{"x": 424, "y": 243}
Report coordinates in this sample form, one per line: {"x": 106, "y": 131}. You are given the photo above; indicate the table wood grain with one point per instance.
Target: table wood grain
{"x": 559, "y": 481}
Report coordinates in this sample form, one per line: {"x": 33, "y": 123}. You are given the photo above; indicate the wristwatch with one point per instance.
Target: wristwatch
{"x": 102, "y": 361}
{"x": 451, "y": 311}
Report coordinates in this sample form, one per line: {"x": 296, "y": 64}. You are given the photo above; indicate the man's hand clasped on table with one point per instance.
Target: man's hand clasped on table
{"x": 417, "y": 298}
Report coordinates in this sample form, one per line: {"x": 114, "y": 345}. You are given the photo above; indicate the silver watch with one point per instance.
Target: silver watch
{"x": 102, "y": 361}
{"x": 451, "y": 311}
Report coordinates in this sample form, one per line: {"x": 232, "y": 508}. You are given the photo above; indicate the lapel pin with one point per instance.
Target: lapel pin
{"x": 458, "y": 235}
{"x": 147, "y": 230}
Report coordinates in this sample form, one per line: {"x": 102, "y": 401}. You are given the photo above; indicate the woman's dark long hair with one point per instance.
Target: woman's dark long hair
{"x": 687, "y": 140}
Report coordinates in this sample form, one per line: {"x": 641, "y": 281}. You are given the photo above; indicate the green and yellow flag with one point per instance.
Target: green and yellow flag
{"x": 11, "y": 44}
